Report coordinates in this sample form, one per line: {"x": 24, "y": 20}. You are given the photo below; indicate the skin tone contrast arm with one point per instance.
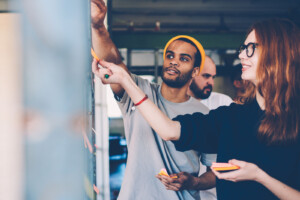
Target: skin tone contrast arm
{"x": 250, "y": 171}
{"x": 165, "y": 127}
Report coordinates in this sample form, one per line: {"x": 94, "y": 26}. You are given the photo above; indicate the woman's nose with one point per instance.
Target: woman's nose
{"x": 242, "y": 54}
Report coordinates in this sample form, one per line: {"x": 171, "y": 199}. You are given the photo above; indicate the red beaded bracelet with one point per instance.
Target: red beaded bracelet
{"x": 141, "y": 101}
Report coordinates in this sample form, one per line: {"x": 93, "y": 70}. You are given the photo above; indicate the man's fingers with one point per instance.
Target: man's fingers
{"x": 97, "y": 2}
{"x": 100, "y": 4}
{"x": 163, "y": 179}
{"x": 172, "y": 187}
{"x": 168, "y": 179}
{"x": 158, "y": 176}
{"x": 169, "y": 183}
{"x": 177, "y": 185}
{"x": 165, "y": 182}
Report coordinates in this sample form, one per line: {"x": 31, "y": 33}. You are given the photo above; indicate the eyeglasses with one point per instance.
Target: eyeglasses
{"x": 250, "y": 48}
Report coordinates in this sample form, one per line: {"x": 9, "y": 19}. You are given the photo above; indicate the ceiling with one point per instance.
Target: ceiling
{"x": 190, "y": 16}
{"x": 196, "y": 15}
{"x": 218, "y": 24}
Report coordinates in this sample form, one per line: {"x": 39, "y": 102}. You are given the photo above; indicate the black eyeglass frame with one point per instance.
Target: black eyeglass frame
{"x": 245, "y": 46}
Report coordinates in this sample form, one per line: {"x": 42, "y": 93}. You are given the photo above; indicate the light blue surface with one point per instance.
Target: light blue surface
{"x": 56, "y": 93}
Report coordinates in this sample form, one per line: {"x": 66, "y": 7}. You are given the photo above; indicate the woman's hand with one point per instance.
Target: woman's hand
{"x": 109, "y": 73}
{"x": 250, "y": 171}
{"x": 247, "y": 171}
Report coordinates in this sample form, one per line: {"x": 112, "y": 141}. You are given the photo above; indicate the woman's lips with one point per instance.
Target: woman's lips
{"x": 245, "y": 67}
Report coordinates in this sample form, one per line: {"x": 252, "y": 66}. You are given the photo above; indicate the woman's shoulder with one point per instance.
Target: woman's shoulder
{"x": 234, "y": 109}
{"x": 245, "y": 106}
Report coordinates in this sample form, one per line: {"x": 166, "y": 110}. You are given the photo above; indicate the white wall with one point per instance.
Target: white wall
{"x": 11, "y": 138}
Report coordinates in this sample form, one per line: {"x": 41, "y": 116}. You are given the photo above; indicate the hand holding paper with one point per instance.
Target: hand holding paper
{"x": 164, "y": 172}
{"x": 98, "y": 59}
{"x": 224, "y": 166}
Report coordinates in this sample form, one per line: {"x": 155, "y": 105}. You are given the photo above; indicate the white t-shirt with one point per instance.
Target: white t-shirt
{"x": 214, "y": 101}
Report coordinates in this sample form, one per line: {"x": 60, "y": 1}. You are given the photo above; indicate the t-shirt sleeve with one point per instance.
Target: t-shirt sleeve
{"x": 208, "y": 159}
{"x": 226, "y": 101}
{"x": 201, "y": 132}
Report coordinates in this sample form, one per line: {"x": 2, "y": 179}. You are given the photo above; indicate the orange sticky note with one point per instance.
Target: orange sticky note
{"x": 96, "y": 189}
{"x": 94, "y": 54}
{"x": 87, "y": 143}
{"x": 224, "y": 166}
{"x": 164, "y": 172}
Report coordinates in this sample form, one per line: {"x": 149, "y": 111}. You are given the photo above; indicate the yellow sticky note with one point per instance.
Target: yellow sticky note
{"x": 94, "y": 54}
{"x": 165, "y": 173}
{"x": 224, "y": 166}
{"x": 96, "y": 189}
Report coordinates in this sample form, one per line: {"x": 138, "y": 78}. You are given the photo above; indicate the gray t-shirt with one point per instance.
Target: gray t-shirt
{"x": 148, "y": 153}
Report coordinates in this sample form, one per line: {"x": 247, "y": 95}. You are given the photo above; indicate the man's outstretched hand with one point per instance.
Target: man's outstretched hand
{"x": 98, "y": 12}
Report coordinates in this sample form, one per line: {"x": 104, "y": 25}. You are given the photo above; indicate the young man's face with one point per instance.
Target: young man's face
{"x": 178, "y": 66}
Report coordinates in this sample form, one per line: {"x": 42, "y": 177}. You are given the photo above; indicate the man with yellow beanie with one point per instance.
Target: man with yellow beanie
{"x": 147, "y": 152}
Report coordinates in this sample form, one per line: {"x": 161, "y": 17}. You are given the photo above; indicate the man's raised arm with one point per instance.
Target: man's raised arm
{"x": 101, "y": 41}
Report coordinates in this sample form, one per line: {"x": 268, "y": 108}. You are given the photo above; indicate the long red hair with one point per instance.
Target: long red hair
{"x": 278, "y": 80}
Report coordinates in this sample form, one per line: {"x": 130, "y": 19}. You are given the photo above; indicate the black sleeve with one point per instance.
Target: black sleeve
{"x": 298, "y": 175}
{"x": 201, "y": 132}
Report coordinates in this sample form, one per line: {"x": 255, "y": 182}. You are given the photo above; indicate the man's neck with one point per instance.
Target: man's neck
{"x": 176, "y": 95}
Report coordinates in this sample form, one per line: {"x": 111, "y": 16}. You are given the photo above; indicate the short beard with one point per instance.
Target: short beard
{"x": 179, "y": 82}
{"x": 198, "y": 93}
